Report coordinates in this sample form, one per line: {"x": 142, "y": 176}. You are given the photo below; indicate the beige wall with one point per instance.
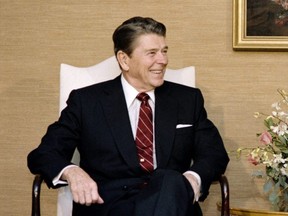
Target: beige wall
{"x": 37, "y": 35}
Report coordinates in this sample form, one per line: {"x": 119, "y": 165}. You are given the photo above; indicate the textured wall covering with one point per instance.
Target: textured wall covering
{"x": 37, "y": 35}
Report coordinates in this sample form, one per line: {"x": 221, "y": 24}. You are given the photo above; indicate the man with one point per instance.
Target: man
{"x": 132, "y": 167}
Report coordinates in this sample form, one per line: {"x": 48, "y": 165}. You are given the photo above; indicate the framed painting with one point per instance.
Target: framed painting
{"x": 260, "y": 25}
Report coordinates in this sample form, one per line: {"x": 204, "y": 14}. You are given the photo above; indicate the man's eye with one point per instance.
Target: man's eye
{"x": 165, "y": 51}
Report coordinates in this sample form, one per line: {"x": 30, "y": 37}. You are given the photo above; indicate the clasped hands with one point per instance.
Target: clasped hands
{"x": 85, "y": 190}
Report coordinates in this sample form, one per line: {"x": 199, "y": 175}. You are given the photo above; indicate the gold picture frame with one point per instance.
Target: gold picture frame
{"x": 246, "y": 39}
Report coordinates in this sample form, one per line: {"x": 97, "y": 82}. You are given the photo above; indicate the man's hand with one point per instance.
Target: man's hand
{"x": 84, "y": 189}
{"x": 194, "y": 184}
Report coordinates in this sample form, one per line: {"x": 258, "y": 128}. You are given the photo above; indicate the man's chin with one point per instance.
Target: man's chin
{"x": 158, "y": 83}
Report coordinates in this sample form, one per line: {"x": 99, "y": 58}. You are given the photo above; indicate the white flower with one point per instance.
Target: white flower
{"x": 282, "y": 114}
{"x": 278, "y": 159}
{"x": 280, "y": 129}
{"x": 284, "y": 171}
{"x": 257, "y": 114}
{"x": 276, "y": 105}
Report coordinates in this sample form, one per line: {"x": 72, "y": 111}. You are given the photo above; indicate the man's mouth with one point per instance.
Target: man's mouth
{"x": 157, "y": 71}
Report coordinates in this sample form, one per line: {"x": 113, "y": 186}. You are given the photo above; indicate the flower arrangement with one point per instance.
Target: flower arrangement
{"x": 272, "y": 152}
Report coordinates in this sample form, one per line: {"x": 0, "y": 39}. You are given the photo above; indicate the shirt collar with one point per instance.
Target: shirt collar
{"x": 130, "y": 92}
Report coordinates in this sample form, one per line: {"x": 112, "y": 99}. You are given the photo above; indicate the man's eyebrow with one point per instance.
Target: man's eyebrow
{"x": 155, "y": 49}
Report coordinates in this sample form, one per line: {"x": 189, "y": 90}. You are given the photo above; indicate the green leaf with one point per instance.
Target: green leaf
{"x": 282, "y": 140}
{"x": 268, "y": 122}
{"x": 282, "y": 181}
{"x": 267, "y": 186}
{"x": 274, "y": 198}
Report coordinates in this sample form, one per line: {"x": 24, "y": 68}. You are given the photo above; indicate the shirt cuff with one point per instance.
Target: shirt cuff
{"x": 57, "y": 180}
{"x": 196, "y": 188}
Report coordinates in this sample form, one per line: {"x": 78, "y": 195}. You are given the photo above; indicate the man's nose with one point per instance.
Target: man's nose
{"x": 162, "y": 58}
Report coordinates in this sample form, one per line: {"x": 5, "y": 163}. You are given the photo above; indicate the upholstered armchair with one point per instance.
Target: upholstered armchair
{"x": 74, "y": 77}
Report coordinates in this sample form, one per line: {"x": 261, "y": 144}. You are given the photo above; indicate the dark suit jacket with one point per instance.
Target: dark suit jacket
{"x": 96, "y": 122}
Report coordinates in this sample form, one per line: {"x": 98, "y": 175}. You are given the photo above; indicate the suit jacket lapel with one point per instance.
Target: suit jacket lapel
{"x": 165, "y": 123}
{"x": 116, "y": 112}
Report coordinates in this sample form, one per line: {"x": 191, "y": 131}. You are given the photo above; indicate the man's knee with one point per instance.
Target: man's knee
{"x": 175, "y": 182}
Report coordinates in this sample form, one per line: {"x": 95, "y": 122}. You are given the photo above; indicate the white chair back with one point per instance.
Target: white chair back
{"x": 76, "y": 77}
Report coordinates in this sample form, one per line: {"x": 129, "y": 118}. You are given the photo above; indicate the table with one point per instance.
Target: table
{"x": 253, "y": 206}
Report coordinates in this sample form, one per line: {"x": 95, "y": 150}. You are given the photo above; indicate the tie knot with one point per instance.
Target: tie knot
{"x": 143, "y": 97}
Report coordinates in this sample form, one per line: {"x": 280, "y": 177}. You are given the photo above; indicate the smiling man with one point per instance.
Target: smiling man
{"x": 137, "y": 136}
{"x": 144, "y": 69}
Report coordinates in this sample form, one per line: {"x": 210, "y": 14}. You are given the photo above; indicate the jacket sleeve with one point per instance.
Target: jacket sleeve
{"x": 209, "y": 155}
{"x": 58, "y": 144}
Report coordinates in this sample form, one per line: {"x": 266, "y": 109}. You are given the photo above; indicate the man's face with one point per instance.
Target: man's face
{"x": 147, "y": 63}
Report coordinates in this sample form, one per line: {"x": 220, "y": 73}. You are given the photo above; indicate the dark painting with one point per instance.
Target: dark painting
{"x": 267, "y": 18}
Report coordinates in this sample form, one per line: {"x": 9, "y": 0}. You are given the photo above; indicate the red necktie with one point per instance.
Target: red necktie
{"x": 144, "y": 134}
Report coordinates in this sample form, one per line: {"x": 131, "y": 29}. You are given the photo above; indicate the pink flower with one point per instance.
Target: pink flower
{"x": 252, "y": 159}
{"x": 265, "y": 138}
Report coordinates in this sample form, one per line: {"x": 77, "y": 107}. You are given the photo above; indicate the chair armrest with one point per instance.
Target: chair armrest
{"x": 38, "y": 179}
{"x": 225, "y": 208}
{"x": 36, "y": 189}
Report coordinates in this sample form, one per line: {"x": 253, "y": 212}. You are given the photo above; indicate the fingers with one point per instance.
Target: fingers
{"x": 194, "y": 184}
{"x": 84, "y": 190}
{"x": 90, "y": 195}
{"x": 95, "y": 197}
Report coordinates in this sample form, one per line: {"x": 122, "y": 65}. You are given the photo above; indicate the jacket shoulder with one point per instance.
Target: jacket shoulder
{"x": 176, "y": 88}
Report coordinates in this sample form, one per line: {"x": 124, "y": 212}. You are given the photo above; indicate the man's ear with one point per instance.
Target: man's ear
{"x": 123, "y": 60}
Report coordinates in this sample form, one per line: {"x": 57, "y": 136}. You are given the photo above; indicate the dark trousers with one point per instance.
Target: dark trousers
{"x": 166, "y": 193}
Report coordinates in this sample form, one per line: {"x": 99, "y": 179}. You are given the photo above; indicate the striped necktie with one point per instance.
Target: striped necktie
{"x": 144, "y": 134}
